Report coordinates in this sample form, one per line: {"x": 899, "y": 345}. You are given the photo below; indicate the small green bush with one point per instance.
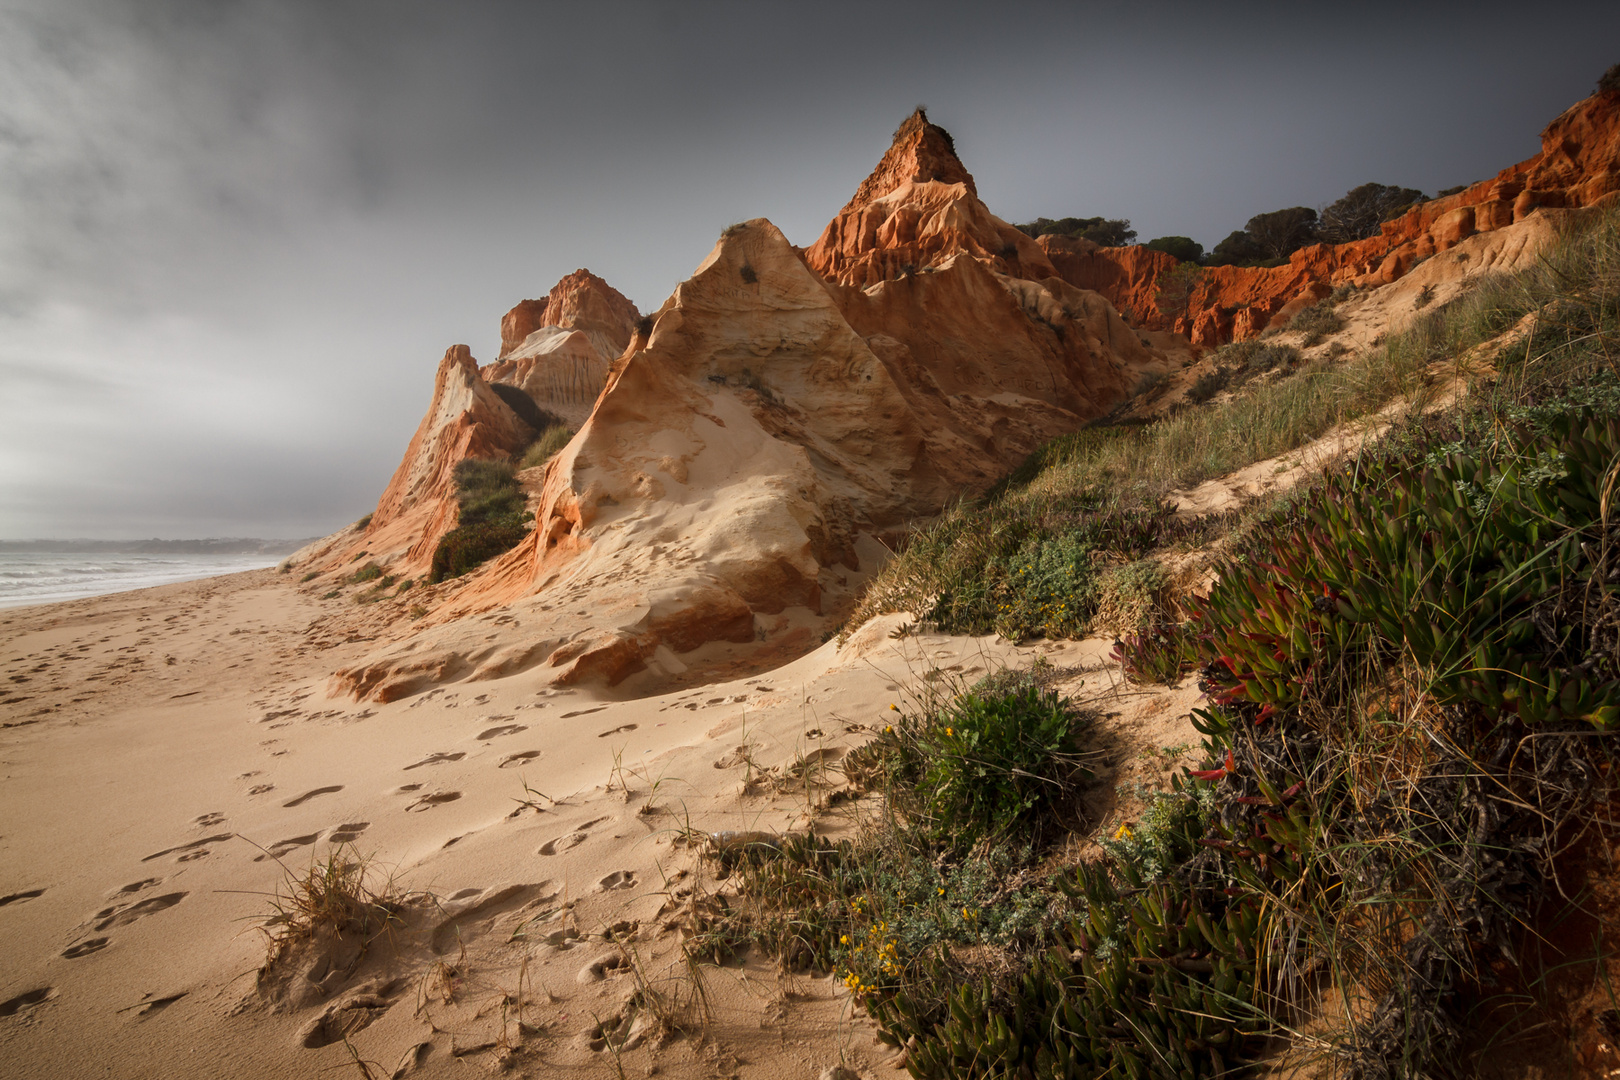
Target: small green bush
{"x": 311, "y": 576}
{"x": 368, "y": 572}
{"x": 487, "y": 491}
{"x": 543, "y": 449}
{"x": 991, "y": 760}
{"x": 492, "y": 518}
{"x": 468, "y": 546}
{"x": 364, "y": 523}
{"x": 1207, "y": 385}
{"x": 1155, "y": 655}
{"x": 1130, "y": 597}
{"x": 1317, "y": 322}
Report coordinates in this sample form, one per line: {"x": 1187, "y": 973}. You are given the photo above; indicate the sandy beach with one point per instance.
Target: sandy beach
{"x": 170, "y": 755}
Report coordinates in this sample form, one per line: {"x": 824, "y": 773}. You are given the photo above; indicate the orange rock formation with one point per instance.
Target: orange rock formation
{"x": 558, "y": 350}
{"x": 765, "y": 423}
{"x": 467, "y": 419}
{"x": 1579, "y": 165}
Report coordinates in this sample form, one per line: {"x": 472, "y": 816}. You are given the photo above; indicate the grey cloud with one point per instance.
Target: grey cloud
{"x": 270, "y": 219}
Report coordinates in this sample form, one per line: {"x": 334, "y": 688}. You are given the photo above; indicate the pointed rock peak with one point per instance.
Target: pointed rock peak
{"x": 580, "y": 301}
{"x": 921, "y": 152}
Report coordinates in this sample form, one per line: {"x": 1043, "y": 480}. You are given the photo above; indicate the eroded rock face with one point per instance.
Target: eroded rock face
{"x": 1579, "y": 165}
{"x": 581, "y": 301}
{"x": 558, "y": 350}
{"x": 767, "y": 422}
{"x": 466, "y": 419}
{"x": 919, "y": 208}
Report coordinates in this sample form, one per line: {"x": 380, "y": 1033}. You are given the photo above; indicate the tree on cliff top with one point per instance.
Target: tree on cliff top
{"x": 1609, "y": 81}
{"x": 1178, "y": 247}
{"x": 1362, "y": 210}
{"x": 1280, "y": 233}
{"x": 1104, "y": 232}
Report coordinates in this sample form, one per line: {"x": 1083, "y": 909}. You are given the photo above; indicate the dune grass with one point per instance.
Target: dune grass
{"x": 1413, "y": 701}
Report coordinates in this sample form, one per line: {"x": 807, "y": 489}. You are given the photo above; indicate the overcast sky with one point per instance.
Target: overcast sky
{"x": 236, "y": 237}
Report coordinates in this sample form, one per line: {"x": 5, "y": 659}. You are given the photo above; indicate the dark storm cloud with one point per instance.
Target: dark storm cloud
{"x": 235, "y": 238}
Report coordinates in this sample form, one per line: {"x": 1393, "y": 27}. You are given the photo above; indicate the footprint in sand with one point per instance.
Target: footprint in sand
{"x": 260, "y": 789}
{"x": 619, "y": 879}
{"x": 617, "y": 730}
{"x": 475, "y": 911}
{"x": 563, "y": 843}
{"x": 12, "y": 1006}
{"x": 582, "y": 712}
{"x": 343, "y": 1018}
{"x": 281, "y": 847}
{"x": 134, "y": 887}
{"x": 308, "y": 795}
{"x": 437, "y": 759}
{"x": 124, "y": 914}
{"x": 157, "y": 1005}
{"x": 347, "y": 834}
{"x": 518, "y": 759}
{"x": 85, "y": 948}
{"x": 504, "y": 729}
{"x": 403, "y": 788}
{"x": 209, "y": 820}
{"x": 572, "y": 840}
{"x": 20, "y": 897}
{"x": 192, "y": 850}
{"x": 437, "y": 798}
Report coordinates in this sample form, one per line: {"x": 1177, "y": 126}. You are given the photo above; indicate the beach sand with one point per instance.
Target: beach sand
{"x": 170, "y": 755}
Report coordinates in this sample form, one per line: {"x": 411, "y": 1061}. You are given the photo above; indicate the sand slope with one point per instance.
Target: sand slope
{"x": 161, "y": 745}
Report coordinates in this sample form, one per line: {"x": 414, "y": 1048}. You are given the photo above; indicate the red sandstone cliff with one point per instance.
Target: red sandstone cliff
{"x": 1579, "y": 165}
{"x": 558, "y": 350}
{"x": 917, "y": 209}
{"x": 466, "y": 419}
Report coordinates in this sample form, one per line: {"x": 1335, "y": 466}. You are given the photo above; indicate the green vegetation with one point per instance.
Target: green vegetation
{"x": 1178, "y": 247}
{"x": 1413, "y": 679}
{"x": 491, "y": 518}
{"x": 1362, "y": 211}
{"x": 1317, "y": 322}
{"x": 1099, "y": 491}
{"x": 1105, "y": 232}
{"x": 543, "y": 449}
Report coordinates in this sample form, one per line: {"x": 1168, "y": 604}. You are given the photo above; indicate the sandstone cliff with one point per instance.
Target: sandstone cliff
{"x": 558, "y": 350}
{"x": 721, "y": 502}
{"x": 466, "y": 419}
{"x": 918, "y": 209}
{"x": 1579, "y": 165}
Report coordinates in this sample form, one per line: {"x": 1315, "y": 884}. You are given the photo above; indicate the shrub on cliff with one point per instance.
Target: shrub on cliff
{"x": 1609, "y": 82}
{"x": 490, "y": 519}
{"x": 1178, "y": 247}
{"x": 551, "y": 440}
{"x": 1105, "y": 232}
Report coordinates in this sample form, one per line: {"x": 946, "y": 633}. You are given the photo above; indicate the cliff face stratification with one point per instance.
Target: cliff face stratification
{"x": 772, "y": 418}
{"x": 1579, "y": 165}
{"x": 918, "y": 209}
{"x": 741, "y": 451}
{"x": 558, "y": 350}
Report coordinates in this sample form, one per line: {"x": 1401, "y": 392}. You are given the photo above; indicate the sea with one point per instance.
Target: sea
{"x": 47, "y": 577}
